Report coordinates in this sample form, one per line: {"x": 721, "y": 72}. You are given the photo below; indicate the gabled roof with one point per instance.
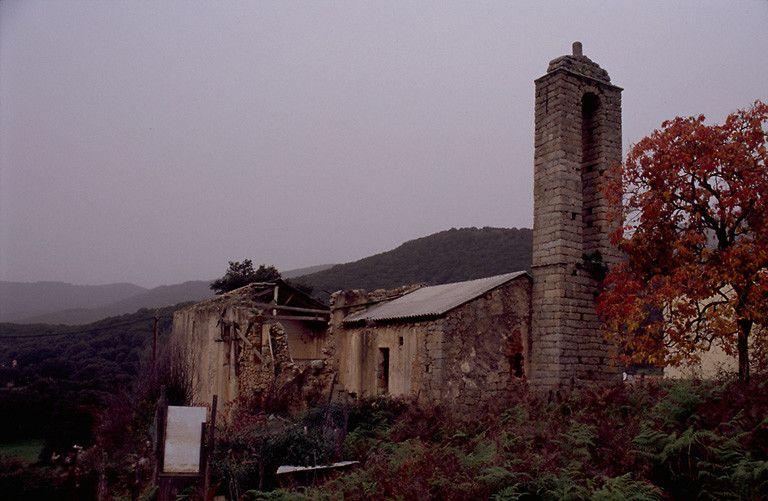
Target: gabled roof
{"x": 432, "y": 301}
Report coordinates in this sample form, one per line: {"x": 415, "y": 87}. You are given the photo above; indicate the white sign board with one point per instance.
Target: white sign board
{"x": 183, "y": 435}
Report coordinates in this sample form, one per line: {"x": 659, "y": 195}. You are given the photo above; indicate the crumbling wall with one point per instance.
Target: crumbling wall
{"x": 243, "y": 355}
{"x": 272, "y": 380}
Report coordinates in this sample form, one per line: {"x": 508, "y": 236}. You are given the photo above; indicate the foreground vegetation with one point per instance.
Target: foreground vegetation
{"x": 680, "y": 440}
{"x": 112, "y": 456}
{"x": 25, "y": 450}
{"x": 667, "y": 440}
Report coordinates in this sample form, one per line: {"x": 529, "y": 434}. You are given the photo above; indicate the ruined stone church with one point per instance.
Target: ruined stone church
{"x": 463, "y": 345}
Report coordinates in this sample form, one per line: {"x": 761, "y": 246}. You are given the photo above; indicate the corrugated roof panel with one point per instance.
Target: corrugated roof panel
{"x": 432, "y": 301}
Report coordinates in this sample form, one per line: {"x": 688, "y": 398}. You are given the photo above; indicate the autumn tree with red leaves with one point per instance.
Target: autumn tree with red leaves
{"x": 694, "y": 201}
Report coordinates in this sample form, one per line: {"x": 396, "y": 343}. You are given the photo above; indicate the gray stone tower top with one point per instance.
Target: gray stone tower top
{"x": 577, "y": 137}
{"x": 580, "y": 64}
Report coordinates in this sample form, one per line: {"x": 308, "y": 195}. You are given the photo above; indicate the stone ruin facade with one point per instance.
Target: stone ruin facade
{"x": 542, "y": 329}
{"x": 577, "y": 140}
{"x": 264, "y": 344}
{"x": 468, "y": 358}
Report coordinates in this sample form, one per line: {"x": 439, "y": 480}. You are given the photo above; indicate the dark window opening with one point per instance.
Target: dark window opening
{"x": 400, "y": 340}
{"x": 516, "y": 364}
{"x": 382, "y": 371}
{"x": 590, "y": 175}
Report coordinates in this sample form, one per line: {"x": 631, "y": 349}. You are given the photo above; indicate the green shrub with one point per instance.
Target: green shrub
{"x": 624, "y": 488}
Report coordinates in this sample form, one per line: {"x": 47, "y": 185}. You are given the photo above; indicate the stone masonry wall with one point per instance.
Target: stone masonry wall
{"x": 464, "y": 360}
{"x": 486, "y": 350}
{"x": 577, "y": 138}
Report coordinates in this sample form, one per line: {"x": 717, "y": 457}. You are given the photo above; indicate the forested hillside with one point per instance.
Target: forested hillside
{"x": 444, "y": 257}
{"x": 55, "y": 379}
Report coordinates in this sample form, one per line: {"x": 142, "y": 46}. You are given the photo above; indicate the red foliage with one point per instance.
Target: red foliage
{"x": 695, "y": 206}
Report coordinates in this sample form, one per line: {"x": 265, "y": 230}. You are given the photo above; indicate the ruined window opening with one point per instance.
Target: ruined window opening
{"x": 400, "y": 340}
{"x": 590, "y": 158}
{"x": 516, "y": 364}
{"x": 382, "y": 372}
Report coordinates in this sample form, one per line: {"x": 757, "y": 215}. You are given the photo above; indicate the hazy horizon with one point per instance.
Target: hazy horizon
{"x": 150, "y": 143}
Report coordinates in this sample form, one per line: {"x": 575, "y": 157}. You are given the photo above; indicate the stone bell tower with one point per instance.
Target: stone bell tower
{"x": 577, "y": 137}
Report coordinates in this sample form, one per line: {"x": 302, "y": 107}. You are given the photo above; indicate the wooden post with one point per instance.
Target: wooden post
{"x": 211, "y": 439}
{"x": 161, "y": 417}
{"x": 203, "y": 464}
{"x": 274, "y": 300}
{"x": 154, "y": 340}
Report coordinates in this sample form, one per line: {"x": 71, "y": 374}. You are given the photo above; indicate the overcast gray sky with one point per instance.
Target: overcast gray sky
{"x": 151, "y": 142}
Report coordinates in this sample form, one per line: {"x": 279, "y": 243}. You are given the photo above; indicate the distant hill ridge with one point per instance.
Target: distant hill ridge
{"x": 443, "y": 257}
{"x": 19, "y": 300}
{"x": 68, "y": 304}
{"x": 164, "y": 295}
{"x": 448, "y": 256}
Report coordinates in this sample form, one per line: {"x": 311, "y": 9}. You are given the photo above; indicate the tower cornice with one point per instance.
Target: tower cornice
{"x": 594, "y": 80}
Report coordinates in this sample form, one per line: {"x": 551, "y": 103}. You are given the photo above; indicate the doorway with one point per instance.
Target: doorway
{"x": 382, "y": 371}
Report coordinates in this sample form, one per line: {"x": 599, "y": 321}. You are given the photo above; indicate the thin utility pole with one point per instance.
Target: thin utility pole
{"x": 211, "y": 439}
{"x": 154, "y": 340}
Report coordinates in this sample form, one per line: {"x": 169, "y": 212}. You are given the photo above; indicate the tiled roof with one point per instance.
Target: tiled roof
{"x": 432, "y": 301}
